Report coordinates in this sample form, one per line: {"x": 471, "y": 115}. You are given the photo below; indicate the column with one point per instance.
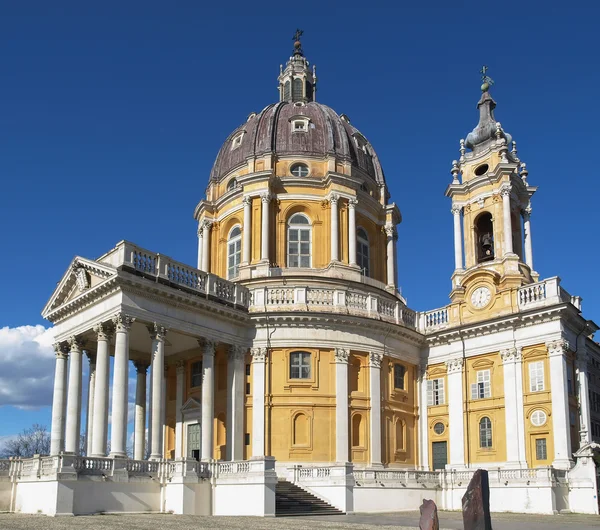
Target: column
{"x": 163, "y": 412}
{"x": 120, "y": 390}
{"x": 352, "y": 231}
{"x": 139, "y": 426}
{"x": 89, "y": 431}
{"x": 208, "y": 399}
{"x": 247, "y": 230}
{"x": 527, "y": 229}
{"x": 583, "y": 393}
{"x": 149, "y": 411}
{"x": 264, "y": 233}
{"x": 458, "y": 251}
{"x": 335, "y": 229}
{"x": 375, "y": 360}
{"x": 508, "y": 245}
{"x": 73, "y": 427}
{"x": 235, "y": 403}
{"x": 423, "y": 419}
{"x": 157, "y": 334}
{"x": 259, "y": 358}
{"x": 513, "y": 407}
{"x": 454, "y": 369}
{"x": 557, "y": 351}
{"x": 206, "y": 245}
{"x": 341, "y": 405}
{"x": 59, "y": 400}
{"x": 179, "y": 390}
{"x": 391, "y": 273}
{"x": 100, "y": 430}
{"x": 200, "y": 245}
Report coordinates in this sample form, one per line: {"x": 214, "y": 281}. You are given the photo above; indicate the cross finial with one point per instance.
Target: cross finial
{"x": 298, "y": 34}
{"x": 297, "y": 43}
{"x": 487, "y": 81}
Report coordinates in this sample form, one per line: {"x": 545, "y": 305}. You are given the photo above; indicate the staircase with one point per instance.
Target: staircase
{"x": 292, "y": 500}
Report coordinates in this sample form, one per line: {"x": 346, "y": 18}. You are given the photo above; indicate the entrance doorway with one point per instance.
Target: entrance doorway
{"x": 439, "y": 455}
{"x": 193, "y": 441}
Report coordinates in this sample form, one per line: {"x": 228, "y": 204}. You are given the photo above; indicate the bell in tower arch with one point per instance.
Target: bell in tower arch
{"x": 484, "y": 232}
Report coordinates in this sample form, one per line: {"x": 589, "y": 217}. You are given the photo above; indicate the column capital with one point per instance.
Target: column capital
{"x": 75, "y": 343}
{"x": 511, "y": 355}
{"x": 122, "y": 322}
{"x": 456, "y": 209}
{"x": 266, "y": 197}
{"x": 61, "y": 350}
{"x": 157, "y": 331}
{"x": 505, "y": 190}
{"x": 526, "y": 212}
{"x": 200, "y": 230}
{"x": 334, "y": 198}
{"x": 454, "y": 365}
{"x": 208, "y": 346}
{"x": 103, "y": 332}
{"x": 236, "y": 353}
{"x": 180, "y": 367}
{"x": 341, "y": 355}
{"x": 422, "y": 372}
{"x": 259, "y": 355}
{"x": 141, "y": 366}
{"x": 390, "y": 231}
{"x": 557, "y": 347}
{"x": 375, "y": 359}
{"x": 247, "y": 200}
{"x": 352, "y": 203}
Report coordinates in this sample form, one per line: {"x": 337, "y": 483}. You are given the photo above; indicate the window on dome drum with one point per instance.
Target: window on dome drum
{"x": 234, "y": 252}
{"x": 299, "y": 126}
{"x": 482, "y": 389}
{"x": 299, "y": 170}
{"x": 297, "y": 89}
{"x": 196, "y": 374}
{"x": 309, "y": 91}
{"x": 399, "y": 373}
{"x": 362, "y": 251}
{"x": 237, "y": 141}
{"x": 299, "y": 241}
{"x": 299, "y": 365}
{"x": 540, "y": 449}
{"x": 286, "y": 91}
{"x": 232, "y": 184}
{"x": 536, "y": 376}
{"x": 435, "y": 392}
{"x": 485, "y": 433}
{"x": 484, "y": 237}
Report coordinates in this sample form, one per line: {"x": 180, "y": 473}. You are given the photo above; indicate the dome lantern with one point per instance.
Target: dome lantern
{"x": 297, "y": 83}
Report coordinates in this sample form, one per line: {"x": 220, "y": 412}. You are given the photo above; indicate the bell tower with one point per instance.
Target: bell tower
{"x": 491, "y": 206}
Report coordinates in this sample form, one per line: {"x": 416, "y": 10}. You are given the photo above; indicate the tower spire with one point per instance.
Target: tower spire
{"x": 297, "y": 83}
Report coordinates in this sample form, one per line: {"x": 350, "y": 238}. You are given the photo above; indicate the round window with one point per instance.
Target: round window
{"x": 538, "y": 418}
{"x": 299, "y": 170}
{"x": 481, "y": 170}
{"x": 439, "y": 428}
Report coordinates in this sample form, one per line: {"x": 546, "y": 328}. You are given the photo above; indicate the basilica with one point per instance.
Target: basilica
{"x": 287, "y": 365}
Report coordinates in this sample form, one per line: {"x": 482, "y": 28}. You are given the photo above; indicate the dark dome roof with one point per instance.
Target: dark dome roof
{"x": 271, "y": 132}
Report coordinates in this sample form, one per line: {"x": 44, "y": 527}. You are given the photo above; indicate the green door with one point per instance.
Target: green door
{"x": 193, "y": 441}
{"x": 439, "y": 453}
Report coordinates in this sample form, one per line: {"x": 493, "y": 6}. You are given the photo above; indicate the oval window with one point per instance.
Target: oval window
{"x": 439, "y": 428}
{"x": 481, "y": 170}
{"x": 538, "y": 418}
{"x": 299, "y": 170}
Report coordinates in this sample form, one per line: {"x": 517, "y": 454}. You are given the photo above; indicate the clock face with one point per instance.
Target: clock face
{"x": 481, "y": 297}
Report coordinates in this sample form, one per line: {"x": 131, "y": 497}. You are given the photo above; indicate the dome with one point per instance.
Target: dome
{"x": 324, "y": 134}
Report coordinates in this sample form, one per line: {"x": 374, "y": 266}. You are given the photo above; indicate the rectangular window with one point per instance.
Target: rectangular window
{"x": 399, "y": 372}
{"x": 247, "y": 389}
{"x": 540, "y": 449}
{"x": 570, "y": 379}
{"x": 247, "y": 438}
{"x": 299, "y": 365}
{"x": 248, "y": 370}
{"x": 435, "y": 392}
{"x": 483, "y": 388}
{"x": 536, "y": 376}
{"x": 234, "y": 253}
{"x": 196, "y": 374}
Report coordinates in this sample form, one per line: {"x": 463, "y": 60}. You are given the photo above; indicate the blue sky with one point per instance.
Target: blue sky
{"x": 112, "y": 114}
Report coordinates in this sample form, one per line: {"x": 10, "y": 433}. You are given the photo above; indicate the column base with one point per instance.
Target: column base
{"x": 117, "y": 455}
{"x": 563, "y": 463}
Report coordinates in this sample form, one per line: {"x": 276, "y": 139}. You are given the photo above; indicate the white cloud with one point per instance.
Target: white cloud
{"x": 26, "y": 366}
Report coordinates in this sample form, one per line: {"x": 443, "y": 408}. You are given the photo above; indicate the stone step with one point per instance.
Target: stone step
{"x": 293, "y": 501}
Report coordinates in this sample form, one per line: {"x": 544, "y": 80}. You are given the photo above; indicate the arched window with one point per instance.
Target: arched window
{"x": 232, "y": 184}
{"x": 234, "y": 252}
{"x": 297, "y": 90}
{"x": 485, "y": 433}
{"x": 299, "y": 241}
{"x": 287, "y": 88}
{"x": 362, "y": 250}
{"x": 484, "y": 237}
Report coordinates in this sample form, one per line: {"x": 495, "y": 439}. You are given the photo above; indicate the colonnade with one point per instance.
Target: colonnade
{"x": 205, "y": 225}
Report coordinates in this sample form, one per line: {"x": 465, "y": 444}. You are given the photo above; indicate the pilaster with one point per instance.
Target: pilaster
{"x": 454, "y": 369}
{"x": 341, "y": 405}
{"x": 513, "y": 407}
{"x": 375, "y": 360}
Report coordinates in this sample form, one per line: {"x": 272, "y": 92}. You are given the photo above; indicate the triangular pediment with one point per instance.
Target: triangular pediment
{"x": 191, "y": 404}
{"x": 81, "y": 276}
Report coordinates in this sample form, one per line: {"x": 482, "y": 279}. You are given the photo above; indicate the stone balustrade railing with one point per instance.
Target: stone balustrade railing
{"x": 532, "y": 296}
{"x": 164, "y": 269}
{"x": 352, "y": 301}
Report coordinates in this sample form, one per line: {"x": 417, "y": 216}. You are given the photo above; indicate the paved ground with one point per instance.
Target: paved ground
{"x": 397, "y": 521}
